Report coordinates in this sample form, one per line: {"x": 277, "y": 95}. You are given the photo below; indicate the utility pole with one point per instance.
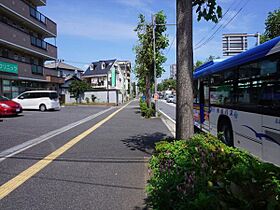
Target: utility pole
{"x": 154, "y": 53}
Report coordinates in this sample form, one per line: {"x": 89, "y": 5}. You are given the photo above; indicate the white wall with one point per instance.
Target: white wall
{"x": 101, "y": 96}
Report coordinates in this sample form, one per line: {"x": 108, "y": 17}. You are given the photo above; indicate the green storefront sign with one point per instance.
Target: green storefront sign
{"x": 9, "y": 67}
{"x": 113, "y": 77}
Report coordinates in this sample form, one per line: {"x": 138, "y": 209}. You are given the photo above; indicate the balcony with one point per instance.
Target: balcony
{"x": 24, "y": 42}
{"x": 34, "y": 18}
{"x": 54, "y": 79}
{"x": 38, "y": 2}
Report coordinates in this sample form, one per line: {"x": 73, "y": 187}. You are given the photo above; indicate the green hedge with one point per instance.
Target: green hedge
{"x": 203, "y": 173}
{"x": 145, "y": 110}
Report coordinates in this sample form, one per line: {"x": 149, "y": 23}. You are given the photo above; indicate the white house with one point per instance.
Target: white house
{"x": 109, "y": 79}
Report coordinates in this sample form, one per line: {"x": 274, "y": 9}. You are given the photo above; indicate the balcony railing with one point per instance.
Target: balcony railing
{"x": 23, "y": 40}
{"x": 38, "y": 43}
{"x": 34, "y": 18}
{"x": 37, "y": 15}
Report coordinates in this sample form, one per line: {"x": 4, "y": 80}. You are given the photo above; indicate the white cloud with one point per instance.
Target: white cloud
{"x": 144, "y": 6}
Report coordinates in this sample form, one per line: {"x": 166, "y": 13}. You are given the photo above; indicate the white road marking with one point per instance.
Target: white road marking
{"x": 168, "y": 117}
{"x": 169, "y": 122}
{"x": 170, "y": 104}
{"x": 31, "y": 143}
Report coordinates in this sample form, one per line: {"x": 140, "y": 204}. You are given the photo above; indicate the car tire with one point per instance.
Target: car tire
{"x": 227, "y": 134}
{"x": 42, "y": 107}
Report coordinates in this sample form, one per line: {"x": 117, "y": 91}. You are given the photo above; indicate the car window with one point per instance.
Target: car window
{"x": 24, "y": 96}
{"x": 53, "y": 95}
{"x": 44, "y": 95}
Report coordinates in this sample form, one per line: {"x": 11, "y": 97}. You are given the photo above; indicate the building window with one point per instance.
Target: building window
{"x": 103, "y": 65}
{"x": 16, "y": 57}
{"x": 37, "y": 69}
{"x": 5, "y": 53}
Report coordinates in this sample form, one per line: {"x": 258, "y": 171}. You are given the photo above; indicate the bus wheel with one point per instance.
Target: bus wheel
{"x": 227, "y": 134}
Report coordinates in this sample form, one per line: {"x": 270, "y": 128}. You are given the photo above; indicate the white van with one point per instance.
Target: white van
{"x": 39, "y": 99}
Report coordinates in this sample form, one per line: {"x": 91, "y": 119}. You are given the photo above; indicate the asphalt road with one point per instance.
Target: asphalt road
{"x": 32, "y": 124}
{"x": 168, "y": 108}
{"x": 106, "y": 169}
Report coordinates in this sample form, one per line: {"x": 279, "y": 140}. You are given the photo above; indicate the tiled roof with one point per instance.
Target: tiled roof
{"x": 97, "y": 68}
{"x": 61, "y": 65}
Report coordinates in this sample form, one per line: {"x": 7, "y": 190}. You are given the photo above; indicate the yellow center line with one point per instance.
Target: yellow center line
{"x": 17, "y": 181}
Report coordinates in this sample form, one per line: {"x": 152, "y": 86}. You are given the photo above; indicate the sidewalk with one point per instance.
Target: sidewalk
{"x": 106, "y": 170}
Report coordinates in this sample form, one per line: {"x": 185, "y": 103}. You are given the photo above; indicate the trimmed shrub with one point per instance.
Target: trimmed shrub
{"x": 204, "y": 173}
{"x": 145, "y": 110}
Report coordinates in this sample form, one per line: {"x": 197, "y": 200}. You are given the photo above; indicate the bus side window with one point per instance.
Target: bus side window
{"x": 195, "y": 92}
{"x": 270, "y": 96}
{"x": 206, "y": 92}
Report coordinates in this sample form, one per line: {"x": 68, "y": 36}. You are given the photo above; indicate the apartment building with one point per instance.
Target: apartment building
{"x": 23, "y": 49}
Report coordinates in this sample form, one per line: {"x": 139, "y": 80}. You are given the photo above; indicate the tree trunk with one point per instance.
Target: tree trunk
{"x": 148, "y": 91}
{"x": 184, "y": 57}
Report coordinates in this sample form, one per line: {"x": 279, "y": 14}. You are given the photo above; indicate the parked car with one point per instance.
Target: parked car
{"x": 9, "y": 107}
{"x": 174, "y": 100}
{"x": 170, "y": 99}
{"x": 39, "y": 99}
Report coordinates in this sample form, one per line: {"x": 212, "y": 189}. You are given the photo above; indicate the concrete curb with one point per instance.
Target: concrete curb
{"x": 169, "y": 122}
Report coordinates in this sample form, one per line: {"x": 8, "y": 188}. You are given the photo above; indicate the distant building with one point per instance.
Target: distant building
{"x": 64, "y": 70}
{"x": 173, "y": 71}
{"x": 110, "y": 80}
{"x": 234, "y": 43}
{"x": 69, "y": 74}
{"x": 23, "y": 49}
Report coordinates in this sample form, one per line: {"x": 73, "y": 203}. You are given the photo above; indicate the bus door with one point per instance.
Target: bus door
{"x": 204, "y": 105}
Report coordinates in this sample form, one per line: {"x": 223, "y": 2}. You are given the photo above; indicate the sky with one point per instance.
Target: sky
{"x": 92, "y": 30}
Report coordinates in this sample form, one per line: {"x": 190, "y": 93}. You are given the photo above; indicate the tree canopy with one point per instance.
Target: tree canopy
{"x": 167, "y": 84}
{"x": 272, "y": 26}
{"x": 144, "y": 62}
{"x": 77, "y": 88}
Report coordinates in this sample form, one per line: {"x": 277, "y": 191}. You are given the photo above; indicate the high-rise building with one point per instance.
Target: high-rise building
{"x": 173, "y": 71}
{"x": 23, "y": 50}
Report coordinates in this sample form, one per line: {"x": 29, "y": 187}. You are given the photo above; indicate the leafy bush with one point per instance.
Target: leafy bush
{"x": 145, "y": 110}
{"x": 203, "y": 173}
{"x": 87, "y": 100}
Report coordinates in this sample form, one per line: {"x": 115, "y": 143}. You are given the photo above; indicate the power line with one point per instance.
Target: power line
{"x": 78, "y": 62}
{"x": 223, "y": 25}
{"x": 171, "y": 45}
{"x": 224, "y": 15}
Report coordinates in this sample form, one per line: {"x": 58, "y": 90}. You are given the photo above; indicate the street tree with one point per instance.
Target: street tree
{"x": 77, "y": 88}
{"x": 167, "y": 84}
{"x": 197, "y": 64}
{"x": 144, "y": 62}
{"x": 208, "y": 10}
{"x": 272, "y": 26}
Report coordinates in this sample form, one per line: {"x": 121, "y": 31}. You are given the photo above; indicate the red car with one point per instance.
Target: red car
{"x": 9, "y": 107}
